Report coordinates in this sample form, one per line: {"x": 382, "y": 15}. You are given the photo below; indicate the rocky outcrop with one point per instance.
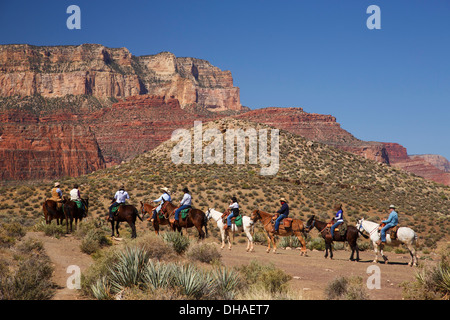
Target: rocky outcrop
{"x": 438, "y": 161}
{"x": 317, "y": 127}
{"x": 34, "y": 148}
{"x": 92, "y": 69}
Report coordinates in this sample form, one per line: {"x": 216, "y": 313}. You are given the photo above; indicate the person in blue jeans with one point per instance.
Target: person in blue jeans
{"x": 282, "y": 213}
{"x": 185, "y": 203}
{"x": 391, "y": 221}
{"x": 234, "y": 208}
{"x": 338, "y": 219}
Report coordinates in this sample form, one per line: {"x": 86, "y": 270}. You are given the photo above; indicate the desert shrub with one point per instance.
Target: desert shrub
{"x": 203, "y": 252}
{"x": 316, "y": 244}
{"x": 51, "y": 230}
{"x": 9, "y": 233}
{"x": 31, "y": 280}
{"x": 178, "y": 242}
{"x": 343, "y": 288}
{"x": 431, "y": 283}
{"x": 268, "y": 277}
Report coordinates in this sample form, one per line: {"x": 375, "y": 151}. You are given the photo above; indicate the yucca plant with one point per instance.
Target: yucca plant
{"x": 101, "y": 289}
{"x": 227, "y": 282}
{"x": 157, "y": 275}
{"x": 128, "y": 271}
{"x": 192, "y": 282}
{"x": 179, "y": 242}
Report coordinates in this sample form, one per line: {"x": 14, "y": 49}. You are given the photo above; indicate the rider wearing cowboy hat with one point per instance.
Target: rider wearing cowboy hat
{"x": 282, "y": 213}
{"x": 163, "y": 198}
{"x": 392, "y": 221}
{"x": 119, "y": 198}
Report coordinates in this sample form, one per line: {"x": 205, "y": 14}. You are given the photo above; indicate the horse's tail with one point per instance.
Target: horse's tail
{"x": 135, "y": 210}
{"x": 205, "y": 224}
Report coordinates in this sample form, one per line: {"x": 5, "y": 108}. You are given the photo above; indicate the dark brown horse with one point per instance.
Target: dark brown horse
{"x": 126, "y": 213}
{"x": 196, "y": 218}
{"x": 51, "y": 212}
{"x": 296, "y": 229}
{"x": 148, "y": 208}
{"x": 72, "y": 212}
{"x": 350, "y": 236}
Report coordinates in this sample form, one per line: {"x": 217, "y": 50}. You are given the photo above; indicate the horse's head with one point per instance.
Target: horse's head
{"x": 208, "y": 213}
{"x": 359, "y": 225}
{"x": 255, "y": 215}
{"x": 310, "y": 223}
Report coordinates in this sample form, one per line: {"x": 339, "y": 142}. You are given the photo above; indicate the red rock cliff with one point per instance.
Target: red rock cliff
{"x": 92, "y": 69}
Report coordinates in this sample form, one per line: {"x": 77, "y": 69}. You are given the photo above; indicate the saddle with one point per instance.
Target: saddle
{"x": 391, "y": 231}
{"x": 342, "y": 228}
{"x": 235, "y": 220}
{"x": 115, "y": 209}
{"x": 287, "y": 222}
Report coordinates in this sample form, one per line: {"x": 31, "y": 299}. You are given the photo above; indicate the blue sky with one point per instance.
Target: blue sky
{"x": 390, "y": 85}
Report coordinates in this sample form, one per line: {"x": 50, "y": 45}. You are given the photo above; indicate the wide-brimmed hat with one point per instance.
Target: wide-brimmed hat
{"x": 56, "y": 184}
{"x": 391, "y": 206}
{"x": 165, "y": 189}
{"x": 122, "y": 187}
{"x": 283, "y": 199}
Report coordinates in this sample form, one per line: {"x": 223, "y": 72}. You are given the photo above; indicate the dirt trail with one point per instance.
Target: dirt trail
{"x": 63, "y": 252}
{"x": 312, "y": 274}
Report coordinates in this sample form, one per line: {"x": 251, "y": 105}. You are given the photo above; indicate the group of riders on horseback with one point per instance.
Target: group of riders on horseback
{"x": 229, "y": 216}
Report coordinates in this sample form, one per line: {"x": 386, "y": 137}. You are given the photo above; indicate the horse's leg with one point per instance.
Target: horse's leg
{"x": 229, "y": 239}
{"x": 375, "y": 246}
{"x": 222, "y": 233}
{"x": 412, "y": 252}
{"x": 326, "y": 249}
{"x": 117, "y": 228}
{"x": 133, "y": 229}
{"x": 268, "y": 241}
{"x": 331, "y": 250}
{"x": 112, "y": 228}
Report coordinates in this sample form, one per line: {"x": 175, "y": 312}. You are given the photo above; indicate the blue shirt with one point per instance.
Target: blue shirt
{"x": 339, "y": 216}
{"x": 393, "y": 218}
{"x": 284, "y": 209}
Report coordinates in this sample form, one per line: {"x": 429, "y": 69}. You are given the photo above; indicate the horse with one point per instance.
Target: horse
{"x": 247, "y": 227}
{"x": 51, "y": 211}
{"x": 148, "y": 208}
{"x": 405, "y": 236}
{"x": 296, "y": 229}
{"x": 196, "y": 218}
{"x": 72, "y": 212}
{"x": 126, "y": 213}
{"x": 351, "y": 236}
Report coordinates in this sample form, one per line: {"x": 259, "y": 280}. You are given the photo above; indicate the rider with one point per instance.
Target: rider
{"x": 163, "y": 198}
{"x": 338, "y": 219}
{"x": 234, "y": 207}
{"x": 57, "y": 196}
{"x": 75, "y": 196}
{"x": 185, "y": 203}
{"x": 392, "y": 221}
{"x": 282, "y": 213}
{"x": 119, "y": 198}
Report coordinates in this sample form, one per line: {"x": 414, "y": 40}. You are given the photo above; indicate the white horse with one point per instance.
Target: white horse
{"x": 247, "y": 227}
{"x": 405, "y": 236}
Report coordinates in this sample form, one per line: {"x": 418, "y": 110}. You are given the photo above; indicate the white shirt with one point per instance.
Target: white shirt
{"x": 121, "y": 196}
{"x": 187, "y": 200}
{"x": 235, "y": 205}
{"x": 165, "y": 197}
{"x": 75, "y": 195}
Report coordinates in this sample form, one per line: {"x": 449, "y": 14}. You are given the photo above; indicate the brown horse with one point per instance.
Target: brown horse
{"x": 350, "y": 236}
{"x": 52, "y": 212}
{"x": 72, "y": 212}
{"x": 126, "y": 213}
{"x": 296, "y": 229}
{"x": 148, "y": 208}
{"x": 196, "y": 218}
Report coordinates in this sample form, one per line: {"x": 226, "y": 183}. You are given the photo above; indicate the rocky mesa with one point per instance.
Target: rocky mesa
{"x": 95, "y": 70}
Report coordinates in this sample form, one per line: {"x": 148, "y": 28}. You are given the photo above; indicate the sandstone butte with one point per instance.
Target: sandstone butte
{"x": 71, "y": 110}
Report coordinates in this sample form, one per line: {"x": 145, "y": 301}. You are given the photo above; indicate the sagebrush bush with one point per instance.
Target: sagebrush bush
{"x": 343, "y": 288}
{"x": 268, "y": 276}
{"x": 203, "y": 252}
